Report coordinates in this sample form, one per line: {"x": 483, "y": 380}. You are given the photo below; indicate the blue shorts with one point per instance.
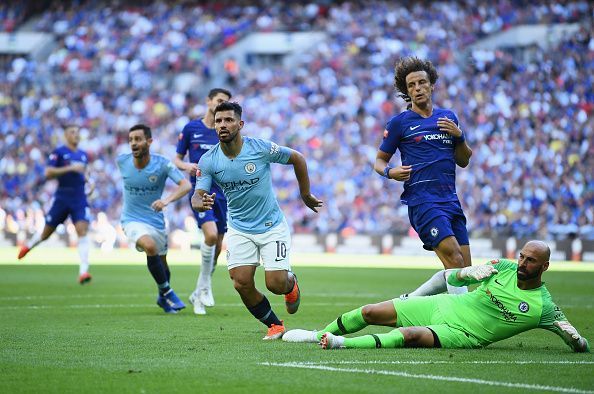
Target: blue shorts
{"x": 434, "y": 221}
{"x": 217, "y": 214}
{"x": 62, "y": 208}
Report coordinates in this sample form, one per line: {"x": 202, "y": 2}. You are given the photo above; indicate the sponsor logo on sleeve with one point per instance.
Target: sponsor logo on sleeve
{"x": 274, "y": 149}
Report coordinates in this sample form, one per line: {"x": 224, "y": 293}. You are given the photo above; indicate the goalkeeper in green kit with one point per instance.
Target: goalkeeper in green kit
{"x": 511, "y": 299}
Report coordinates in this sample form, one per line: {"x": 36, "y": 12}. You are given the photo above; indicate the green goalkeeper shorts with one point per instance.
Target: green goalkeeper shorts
{"x": 424, "y": 312}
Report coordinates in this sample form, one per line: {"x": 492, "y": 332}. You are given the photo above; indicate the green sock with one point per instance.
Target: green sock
{"x": 392, "y": 339}
{"x": 345, "y": 324}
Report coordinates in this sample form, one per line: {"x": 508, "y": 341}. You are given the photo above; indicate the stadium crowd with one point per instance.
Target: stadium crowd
{"x": 529, "y": 119}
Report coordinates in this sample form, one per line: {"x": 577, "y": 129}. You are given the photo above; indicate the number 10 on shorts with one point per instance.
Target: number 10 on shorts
{"x": 281, "y": 250}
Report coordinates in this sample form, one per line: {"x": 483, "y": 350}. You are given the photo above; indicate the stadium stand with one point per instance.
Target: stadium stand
{"x": 528, "y": 112}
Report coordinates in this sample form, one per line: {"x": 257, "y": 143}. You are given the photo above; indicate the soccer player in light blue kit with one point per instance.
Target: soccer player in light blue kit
{"x": 67, "y": 164}
{"x": 258, "y": 229}
{"x": 144, "y": 175}
{"x": 431, "y": 145}
{"x": 197, "y": 137}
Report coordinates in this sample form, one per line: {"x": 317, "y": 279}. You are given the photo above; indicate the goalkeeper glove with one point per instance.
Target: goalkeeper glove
{"x": 572, "y": 336}
{"x": 477, "y": 272}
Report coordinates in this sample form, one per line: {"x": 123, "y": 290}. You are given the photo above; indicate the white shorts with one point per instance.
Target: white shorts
{"x": 272, "y": 247}
{"x": 135, "y": 230}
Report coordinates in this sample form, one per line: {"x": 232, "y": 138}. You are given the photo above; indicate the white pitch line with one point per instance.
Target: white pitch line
{"x": 436, "y": 377}
{"x": 421, "y": 362}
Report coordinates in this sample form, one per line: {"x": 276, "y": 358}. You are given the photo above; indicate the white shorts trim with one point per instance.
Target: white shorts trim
{"x": 272, "y": 248}
{"x": 135, "y": 230}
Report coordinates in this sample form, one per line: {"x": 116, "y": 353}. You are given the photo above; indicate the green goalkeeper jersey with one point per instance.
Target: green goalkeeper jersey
{"x": 498, "y": 309}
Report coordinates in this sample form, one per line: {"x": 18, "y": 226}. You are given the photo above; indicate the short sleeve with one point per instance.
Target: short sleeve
{"x": 183, "y": 142}
{"x": 274, "y": 153}
{"x": 172, "y": 172}
{"x": 392, "y": 136}
{"x": 203, "y": 174}
{"x": 54, "y": 159}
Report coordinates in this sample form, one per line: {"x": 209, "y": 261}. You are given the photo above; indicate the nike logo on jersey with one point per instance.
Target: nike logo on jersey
{"x": 496, "y": 281}
{"x": 218, "y": 172}
{"x": 415, "y": 127}
{"x": 197, "y": 135}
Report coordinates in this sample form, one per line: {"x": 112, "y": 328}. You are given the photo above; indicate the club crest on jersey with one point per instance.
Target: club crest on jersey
{"x": 250, "y": 168}
{"x": 434, "y": 232}
{"x": 523, "y": 307}
{"x": 152, "y": 178}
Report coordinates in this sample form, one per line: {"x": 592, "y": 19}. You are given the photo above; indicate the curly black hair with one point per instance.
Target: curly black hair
{"x": 408, "y": 65}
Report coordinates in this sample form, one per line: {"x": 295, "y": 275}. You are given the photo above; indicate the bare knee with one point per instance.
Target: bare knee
{"x": 417, "y": 337}
{"x": 453, "y": 259}
{"x": 277, "y": 285}
{"x": 380, "y": 314}
{"x": 243, "y": 285}
{"x": 210, "y": 238}
{"x": 149, "y": 246}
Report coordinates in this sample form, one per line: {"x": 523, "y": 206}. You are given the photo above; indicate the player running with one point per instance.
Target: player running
{"x": 257, "y": 227}
{"x": 511, "y": 299}
{"x": 144, "y": 175}
{"x": 431, "y": 144}
{"x": 197, "y": 137}
{"x": 67, "y": 164}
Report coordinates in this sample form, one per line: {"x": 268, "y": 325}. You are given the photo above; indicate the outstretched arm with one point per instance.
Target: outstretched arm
{"x": 571, "y": 336}
{"x": 183, "y": 187}
{"x": 179, "y": 162}
{"x": 300, "y": 167}
{"x": 470, "y": 275}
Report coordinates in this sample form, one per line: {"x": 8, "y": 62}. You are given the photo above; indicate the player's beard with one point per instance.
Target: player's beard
{"x": 229, "y": 137}
{"x": 141, "y": 152}
{"x": 523, "y": 275}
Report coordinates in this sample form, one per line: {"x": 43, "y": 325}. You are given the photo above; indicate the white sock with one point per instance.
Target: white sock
{"x": 435, "y": 285}
{"x": 84, "y": 245}
{"x": 456, "y": 290}
{"x": 207, "y": 252}
{"x": 33, "y": 241}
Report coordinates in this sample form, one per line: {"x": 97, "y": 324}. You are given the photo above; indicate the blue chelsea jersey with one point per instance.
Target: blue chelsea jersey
{"x": 196, "y": 139}
{"x": 429, "y": 151}
{"x": 71, "y": 185}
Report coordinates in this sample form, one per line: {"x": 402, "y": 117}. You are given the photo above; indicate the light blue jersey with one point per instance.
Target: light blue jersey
{"x": 246, "y": 182}
{"x": 144, "y": 186}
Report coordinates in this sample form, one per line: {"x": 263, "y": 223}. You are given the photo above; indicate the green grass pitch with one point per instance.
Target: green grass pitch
{"x": 59, "y": 337}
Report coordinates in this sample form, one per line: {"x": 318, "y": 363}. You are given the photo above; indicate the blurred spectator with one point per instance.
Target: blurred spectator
{"x": 529, "y": 122}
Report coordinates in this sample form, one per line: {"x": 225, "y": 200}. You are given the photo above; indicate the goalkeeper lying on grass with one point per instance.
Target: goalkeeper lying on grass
{"x": 510, "y": 299}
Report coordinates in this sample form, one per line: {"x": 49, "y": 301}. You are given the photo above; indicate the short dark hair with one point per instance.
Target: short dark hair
{"x": 409, "y": 65}
{"x": 229, "y": 106}
{"x": 147, "y": 130}
{"x": 215, "y": 91}
{"x": 67, "y": 126}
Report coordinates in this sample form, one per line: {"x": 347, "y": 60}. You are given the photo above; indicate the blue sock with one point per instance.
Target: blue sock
{"x": 263, "y": 312}
{"x": 157, "y": 270}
